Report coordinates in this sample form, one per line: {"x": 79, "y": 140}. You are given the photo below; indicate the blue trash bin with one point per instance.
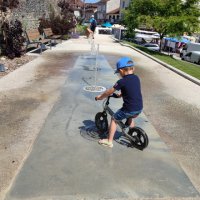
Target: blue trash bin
{"x": 2, "y": 68}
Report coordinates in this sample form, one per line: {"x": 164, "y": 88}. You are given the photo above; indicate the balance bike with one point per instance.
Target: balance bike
{"x": 137, "y": 136}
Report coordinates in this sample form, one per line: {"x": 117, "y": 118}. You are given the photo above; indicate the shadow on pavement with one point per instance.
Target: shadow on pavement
{"x": 90, "y": 132}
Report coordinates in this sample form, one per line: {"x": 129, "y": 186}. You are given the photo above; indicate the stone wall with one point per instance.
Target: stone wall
{"x": 29, "y": 11}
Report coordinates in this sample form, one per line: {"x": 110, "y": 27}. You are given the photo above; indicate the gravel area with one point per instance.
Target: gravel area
{"x": 12, "y": 64}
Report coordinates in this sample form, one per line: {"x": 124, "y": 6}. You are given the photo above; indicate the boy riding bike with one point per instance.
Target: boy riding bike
{"x": 130, "y": 92}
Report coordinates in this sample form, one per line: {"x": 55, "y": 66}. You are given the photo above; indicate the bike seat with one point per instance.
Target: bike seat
{"x": 134, "y": 116}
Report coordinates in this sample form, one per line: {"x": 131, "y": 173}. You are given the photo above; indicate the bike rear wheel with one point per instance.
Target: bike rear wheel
{"x": 138, "y": 138}
{"x": 101, "y": 121}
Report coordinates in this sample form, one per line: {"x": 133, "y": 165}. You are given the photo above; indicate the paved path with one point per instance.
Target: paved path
{"x": 67, "y": 163}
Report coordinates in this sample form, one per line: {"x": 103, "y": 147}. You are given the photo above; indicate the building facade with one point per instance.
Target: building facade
{"x": 113, "y": 11}
{"x": 77, "y": 6}
{"x": 113, "y": 16}
{"x": 101, "y": 11}
{"x": 89, "y": 10}
{"x": 123, "y": 6}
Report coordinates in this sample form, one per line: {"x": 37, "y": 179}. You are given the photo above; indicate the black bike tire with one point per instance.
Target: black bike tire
{"x": 143, "y": 144}
{"x": 101, "y": 121}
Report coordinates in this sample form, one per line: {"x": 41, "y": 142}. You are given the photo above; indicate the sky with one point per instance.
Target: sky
{"x": 90, "y": 1}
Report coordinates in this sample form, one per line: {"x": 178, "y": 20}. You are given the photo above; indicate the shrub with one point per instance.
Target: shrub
{"x": 60, "y": 24}
{"x": 13, "y": 39}
{"x": 11, "y": 31}
{"x": 81, "y": 29}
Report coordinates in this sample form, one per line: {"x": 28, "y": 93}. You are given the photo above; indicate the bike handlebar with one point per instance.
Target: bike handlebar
{"x": 114, "y": 95}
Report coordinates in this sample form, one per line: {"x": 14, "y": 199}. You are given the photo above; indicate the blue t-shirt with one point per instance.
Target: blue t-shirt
{"x": 131, "y": 93}
{"x": 93, "y": 23}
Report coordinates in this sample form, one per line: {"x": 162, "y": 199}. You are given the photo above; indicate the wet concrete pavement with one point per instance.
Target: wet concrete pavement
{"x": 67, "y": 163}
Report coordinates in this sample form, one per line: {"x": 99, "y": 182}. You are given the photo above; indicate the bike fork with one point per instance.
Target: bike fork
{"x": 125, "y": 131}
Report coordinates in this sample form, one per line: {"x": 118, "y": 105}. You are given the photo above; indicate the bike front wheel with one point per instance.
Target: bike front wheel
{"x": 138, "y": 138}
{"x": 101, "y": 121}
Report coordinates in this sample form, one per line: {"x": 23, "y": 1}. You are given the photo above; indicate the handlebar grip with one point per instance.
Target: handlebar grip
{"x": 114, "y": 95}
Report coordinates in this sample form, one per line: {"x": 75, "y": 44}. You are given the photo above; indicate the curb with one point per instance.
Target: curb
{"x": 181, "y": 73}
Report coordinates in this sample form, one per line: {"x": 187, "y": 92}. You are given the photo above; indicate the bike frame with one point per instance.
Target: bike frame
{"x": 108, "y": 110}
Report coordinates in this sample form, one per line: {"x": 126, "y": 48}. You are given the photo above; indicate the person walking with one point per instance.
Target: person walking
{"x": 93, "y": 24}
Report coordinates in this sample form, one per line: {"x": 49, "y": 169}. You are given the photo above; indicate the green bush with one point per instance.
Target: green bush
{"x": 81, "y": 29}
{"x": 65, "y": 37}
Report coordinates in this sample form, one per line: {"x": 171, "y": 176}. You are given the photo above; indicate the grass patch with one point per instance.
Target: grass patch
{"x": 186, "y": 67}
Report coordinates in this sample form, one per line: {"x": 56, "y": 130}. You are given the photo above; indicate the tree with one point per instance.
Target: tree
{"x": 167, "y": 17}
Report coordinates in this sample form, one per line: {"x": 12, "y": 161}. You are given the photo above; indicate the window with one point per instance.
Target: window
{"x": 185, "y": 47}
{"x": 123, "y": 4}
{"x": 189, "y": 54}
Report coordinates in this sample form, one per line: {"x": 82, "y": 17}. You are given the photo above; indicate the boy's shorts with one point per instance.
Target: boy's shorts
{"x": 120, "y": 115}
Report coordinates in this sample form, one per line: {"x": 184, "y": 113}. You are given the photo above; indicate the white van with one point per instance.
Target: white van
{"x": 190, "y": 47}
{"x": 193, "y": 56}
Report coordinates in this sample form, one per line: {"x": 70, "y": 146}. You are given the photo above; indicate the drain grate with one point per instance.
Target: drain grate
{"x": 94, "y": 88}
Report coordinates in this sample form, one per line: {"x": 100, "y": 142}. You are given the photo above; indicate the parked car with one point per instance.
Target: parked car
{"x": 152, "y": 46}
{"x": 86, "y": 23}
{"x": 189, "y": 47}
{"x": 192, "y": 56}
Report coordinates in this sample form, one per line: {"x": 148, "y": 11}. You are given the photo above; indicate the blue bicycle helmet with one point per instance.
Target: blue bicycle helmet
{"x": 123, "y": 63}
